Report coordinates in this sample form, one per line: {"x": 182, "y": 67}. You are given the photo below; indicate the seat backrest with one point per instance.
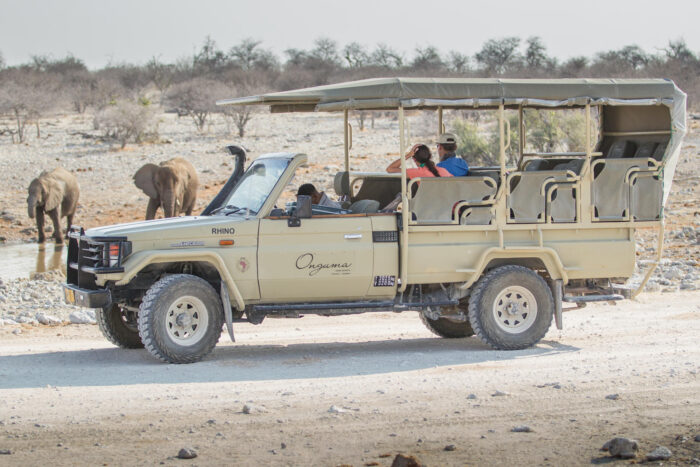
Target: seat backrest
{"x": 436, "y": 197}
{"x": 646, "y": 149}
{"x": 621, "y": 148}
{"x": 610, "y": 188}
{"x": 527, "y": 195}
{"x": 575, "y": 165}
{"x": 660, "y": 151}
{"x": 382, "y": 189}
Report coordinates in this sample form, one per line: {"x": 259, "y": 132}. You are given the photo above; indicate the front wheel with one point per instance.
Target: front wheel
{"x": 511, "y": 308}
{"x": 119, "y": 326}
{"x": 180, "y": 319}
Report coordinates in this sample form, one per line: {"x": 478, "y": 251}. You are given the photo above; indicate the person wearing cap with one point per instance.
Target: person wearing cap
{"x": 446, "y": 146}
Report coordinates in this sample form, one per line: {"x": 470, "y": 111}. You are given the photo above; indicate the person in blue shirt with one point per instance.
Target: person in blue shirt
{"x": 446, "y": 147}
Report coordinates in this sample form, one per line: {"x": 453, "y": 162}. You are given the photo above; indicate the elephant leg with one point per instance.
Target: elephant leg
{"x": 40, "y": 224}
{"x": 69, "y": 221}
{"x": 57, "y": 233}
{"x": 152, "y": 208}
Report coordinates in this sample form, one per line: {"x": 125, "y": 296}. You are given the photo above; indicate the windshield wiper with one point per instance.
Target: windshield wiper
{"x": 228, "y": 206}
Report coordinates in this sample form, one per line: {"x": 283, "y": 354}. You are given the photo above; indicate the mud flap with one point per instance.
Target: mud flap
{"x": 228, "y": 314}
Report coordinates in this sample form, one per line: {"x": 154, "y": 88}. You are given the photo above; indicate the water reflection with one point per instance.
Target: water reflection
{"x": 23, "y": 260}
{"x": 55, "y": 259}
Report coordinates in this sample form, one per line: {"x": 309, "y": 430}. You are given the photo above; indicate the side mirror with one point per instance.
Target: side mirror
{"x": 302, "y": 211}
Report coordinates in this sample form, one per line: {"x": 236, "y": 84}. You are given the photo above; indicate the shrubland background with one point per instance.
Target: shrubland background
{"x": 124, "y": 99}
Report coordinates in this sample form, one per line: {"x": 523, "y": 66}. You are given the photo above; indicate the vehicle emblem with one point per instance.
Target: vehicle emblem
{"x": 243, "y": 264}
{"x": 187, "y": 243}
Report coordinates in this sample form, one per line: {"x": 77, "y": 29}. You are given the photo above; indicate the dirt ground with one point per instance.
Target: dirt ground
{"x": 358, "y": 390}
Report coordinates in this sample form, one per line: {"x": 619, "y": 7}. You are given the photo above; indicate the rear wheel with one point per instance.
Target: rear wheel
{"x": 119, "y": 326}
{"x": 511, "y": 308}
{"x": 180, "y": 319}
{"x": 443, "y": 327}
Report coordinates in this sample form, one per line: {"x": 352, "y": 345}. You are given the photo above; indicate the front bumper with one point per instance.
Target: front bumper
{"x": 100, "y": 298}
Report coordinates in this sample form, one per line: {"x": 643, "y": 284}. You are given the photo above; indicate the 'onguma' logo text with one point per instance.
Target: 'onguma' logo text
{"x": 223, "y": 231}
{"x": 306, "y": 261}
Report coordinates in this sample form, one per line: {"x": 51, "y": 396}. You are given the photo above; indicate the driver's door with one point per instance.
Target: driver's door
{"x": 327, "y": 258}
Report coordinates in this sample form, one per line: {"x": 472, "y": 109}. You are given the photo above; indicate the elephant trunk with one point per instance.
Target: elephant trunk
{"x": 31, "y": 207}
{"x": 170, "y": 204}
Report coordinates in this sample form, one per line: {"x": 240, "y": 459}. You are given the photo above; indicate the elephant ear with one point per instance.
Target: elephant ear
{"x": 144, "y": 179}
{"x": 53, "y": 193}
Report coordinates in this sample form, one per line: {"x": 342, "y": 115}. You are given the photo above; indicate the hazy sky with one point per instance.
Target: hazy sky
{"x": 100, "y": 32}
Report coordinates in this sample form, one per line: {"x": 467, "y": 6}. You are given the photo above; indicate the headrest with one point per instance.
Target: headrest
{"x": 341, "y": 184}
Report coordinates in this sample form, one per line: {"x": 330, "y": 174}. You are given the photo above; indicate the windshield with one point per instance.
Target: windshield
{"x": 254, "y": 186}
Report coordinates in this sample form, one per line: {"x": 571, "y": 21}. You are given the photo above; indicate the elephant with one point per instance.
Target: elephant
{"x": 54, "y": 193}
{"x": 172, "y": 185}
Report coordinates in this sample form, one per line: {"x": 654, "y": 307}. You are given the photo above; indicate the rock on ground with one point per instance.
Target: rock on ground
{"x": 82, "y": 317}
{"x": 186, "y": 453}
{"x": 623, "y": 448}
{"x": 660, "y": 453}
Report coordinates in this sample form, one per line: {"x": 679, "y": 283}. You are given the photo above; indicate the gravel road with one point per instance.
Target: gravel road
{"x": 358, "y": 390}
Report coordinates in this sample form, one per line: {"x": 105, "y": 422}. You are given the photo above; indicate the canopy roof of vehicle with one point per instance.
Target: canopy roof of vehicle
{"x": 390, "y": 93}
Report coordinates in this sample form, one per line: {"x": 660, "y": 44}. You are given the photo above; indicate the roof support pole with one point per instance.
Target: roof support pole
{"x": 441, "y": 126}
{"x": 521, "y": 134}
{"x": 405, "y": 211}
{"x": 502, "y": 142}
{"x": 586, "y": 179}
{"x": 346, "y": 140}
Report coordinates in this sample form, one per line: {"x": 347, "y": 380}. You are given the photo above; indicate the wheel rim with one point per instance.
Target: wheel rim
{"x": 515, "y": 309}
{"x": 186, "y": 321}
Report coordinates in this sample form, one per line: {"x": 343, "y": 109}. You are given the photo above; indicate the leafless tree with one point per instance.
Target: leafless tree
{"x": 26, "y": 97}
{"x": 457, "y": 61}
{"x": 161, "y": 74}
{"x": 355, "y": 55}
{"x": 240, "y": 116}
{"x": 386, "y": 57}
{"x": 427, "y": 58}
{"x": 197, "y": 98}
{"x": 2, "y": 61}
{"x": 248, "y": 55}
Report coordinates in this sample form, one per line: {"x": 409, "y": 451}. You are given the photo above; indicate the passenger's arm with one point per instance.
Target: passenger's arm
{"x": 395, "y": 167}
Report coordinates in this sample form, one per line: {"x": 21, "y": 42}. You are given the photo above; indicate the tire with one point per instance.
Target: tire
{"x": 119, "y": 326}
{"x": 443, "y": 327}
{"x": 511, "y": 308}
{"x": 180, "y": 319}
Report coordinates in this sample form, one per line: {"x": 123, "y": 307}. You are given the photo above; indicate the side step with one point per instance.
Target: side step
{"x": 342, "y": 306}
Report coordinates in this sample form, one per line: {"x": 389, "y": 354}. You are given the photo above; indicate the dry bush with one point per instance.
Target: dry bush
{"x": 127, "y": 121}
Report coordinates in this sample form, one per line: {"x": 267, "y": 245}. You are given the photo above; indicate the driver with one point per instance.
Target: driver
{"x": 320, "y": 199}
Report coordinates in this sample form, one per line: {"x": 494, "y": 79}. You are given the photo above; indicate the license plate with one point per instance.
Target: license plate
{"x": 70, "y": 295}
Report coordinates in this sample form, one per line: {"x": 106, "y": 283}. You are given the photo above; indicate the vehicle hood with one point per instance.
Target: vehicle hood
{"x": 174, "y": 227}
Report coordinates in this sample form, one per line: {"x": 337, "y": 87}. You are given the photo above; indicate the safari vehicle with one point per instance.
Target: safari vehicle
{"x": 494, "y": 253}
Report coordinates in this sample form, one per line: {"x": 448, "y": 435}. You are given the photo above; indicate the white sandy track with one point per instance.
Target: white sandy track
{"x": 67, "y": 397}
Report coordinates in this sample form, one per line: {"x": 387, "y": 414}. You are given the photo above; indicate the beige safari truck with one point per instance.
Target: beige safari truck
{"x": 493, "y": 253}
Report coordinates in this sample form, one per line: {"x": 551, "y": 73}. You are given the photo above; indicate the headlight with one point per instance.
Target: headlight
{"x": 116, "y": 252}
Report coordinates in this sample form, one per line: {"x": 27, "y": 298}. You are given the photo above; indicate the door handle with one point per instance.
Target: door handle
{"x": 351, "y": 236}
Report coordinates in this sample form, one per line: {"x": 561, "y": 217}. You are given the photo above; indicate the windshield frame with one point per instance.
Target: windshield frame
{"x": 293, "y": 161}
